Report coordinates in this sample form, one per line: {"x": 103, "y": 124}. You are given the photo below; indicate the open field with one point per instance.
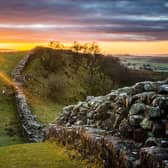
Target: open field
{"x": 156, "y": 63}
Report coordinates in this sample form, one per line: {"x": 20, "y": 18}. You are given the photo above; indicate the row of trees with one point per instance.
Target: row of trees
{"x": 86, "y": 48}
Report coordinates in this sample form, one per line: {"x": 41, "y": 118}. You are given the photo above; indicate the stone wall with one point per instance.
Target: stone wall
{"x": 154, "y": 157}
{"x": 110, "y": 150}
{"x": 32, "y": 129}
{"x": 126, "y": 128}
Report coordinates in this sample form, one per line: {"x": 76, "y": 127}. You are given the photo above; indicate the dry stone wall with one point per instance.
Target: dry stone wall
{"x": 110, "y": 150}
{"x": 32, "y": 129}
{"x": 128, "y": 127}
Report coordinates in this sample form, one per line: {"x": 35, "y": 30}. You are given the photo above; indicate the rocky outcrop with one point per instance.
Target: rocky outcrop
{"x": 32, "y": 129}
{"x": 137, "y": 114}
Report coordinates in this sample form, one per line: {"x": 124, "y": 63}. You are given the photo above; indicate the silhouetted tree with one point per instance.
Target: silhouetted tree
{"x": 76, "y": 47}
{"x": 56, "y": 45}
{"x": 94, "y": 48}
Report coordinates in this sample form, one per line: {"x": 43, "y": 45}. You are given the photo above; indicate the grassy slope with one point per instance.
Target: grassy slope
{"x": 41, "y": 105}
{"x": 41, "y": 155}
{"x": 9, "y": 127}
{"x": 45, "y": 109}
{"x": 76, "y": 87}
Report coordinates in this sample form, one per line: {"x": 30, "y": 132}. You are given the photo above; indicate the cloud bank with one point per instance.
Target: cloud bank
{"x": 107, "y": 20}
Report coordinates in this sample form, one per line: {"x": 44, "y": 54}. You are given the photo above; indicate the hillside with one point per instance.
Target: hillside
{"x": 37, "y": 155}
{"x": 9, "y": 123}
{"x": 56, "y": 78}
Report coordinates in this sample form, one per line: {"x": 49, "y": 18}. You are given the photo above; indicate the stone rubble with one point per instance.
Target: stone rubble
{"x": 32, "y": 129}
{"x": 138, "y": 113}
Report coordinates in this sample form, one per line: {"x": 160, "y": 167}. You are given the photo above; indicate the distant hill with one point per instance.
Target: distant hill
{"x": 138, "y": 56}
{"x": 155, "y": 63}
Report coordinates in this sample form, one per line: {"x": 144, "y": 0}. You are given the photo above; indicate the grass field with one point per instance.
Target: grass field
{"x": 9, "y": 123}
{"x": 158, "y": 63}
{"x": 41, "y": 155}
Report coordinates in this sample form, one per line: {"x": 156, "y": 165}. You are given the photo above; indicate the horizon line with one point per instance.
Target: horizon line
{"x": 109, "y": 54}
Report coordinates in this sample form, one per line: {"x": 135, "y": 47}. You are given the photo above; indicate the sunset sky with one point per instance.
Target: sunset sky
{"x": 119, "y": 26}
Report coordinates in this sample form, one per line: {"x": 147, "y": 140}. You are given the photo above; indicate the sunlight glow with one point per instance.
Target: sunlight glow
{"x": 21, "y": 46}
{"x": 136, "y": 48}
{"x": 9, "y": 82}
{"x": 2, "y": 60}
{"x": 111, "y": 47}
{"x": 6, "y": 79}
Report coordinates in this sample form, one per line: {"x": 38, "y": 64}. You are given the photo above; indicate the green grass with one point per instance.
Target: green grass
{"x": 8, "y": 61}
{"x": 41, "y": 155}
{"x": 41, "y": 104}
{"x": 54, "y": 81}
{"x": 17, "y": 154}
{"x": 9, "y": 123}
{"x": 46, "y": 110}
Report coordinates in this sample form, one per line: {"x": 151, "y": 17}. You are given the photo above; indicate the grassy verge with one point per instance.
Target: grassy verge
{"x": 41, "y": 155}
{"x": 9, "y": 123}
{"x": 45, "y": 110}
